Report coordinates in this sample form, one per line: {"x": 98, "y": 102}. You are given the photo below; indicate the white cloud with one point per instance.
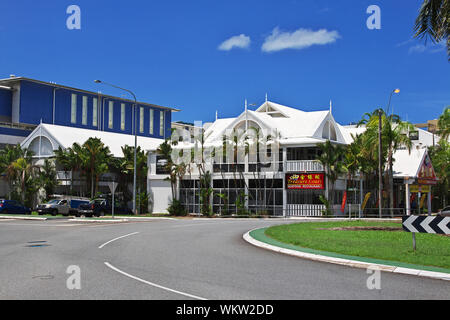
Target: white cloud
{"x": 241, "y": 41}
{"x": 421, "y": 48}
{"x": 299, "y": 39}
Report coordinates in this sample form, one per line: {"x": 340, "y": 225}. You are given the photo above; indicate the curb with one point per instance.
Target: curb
{"x": 351, "y": 263}
{"x": 99, "y": 220}
{"x": 22, "y": 218}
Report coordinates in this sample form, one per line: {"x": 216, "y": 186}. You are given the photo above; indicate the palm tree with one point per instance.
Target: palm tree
{"x": 330, "y": 158}
{"x": 24, "y": 171}
{"x": 47, "y": 177}
{"x": 394, "y": 136}
{"x": 434, "y": 22}
{"x": 7, "y": 156}
{"x": 95, "y": 158}
{"x": 444, "y": 124}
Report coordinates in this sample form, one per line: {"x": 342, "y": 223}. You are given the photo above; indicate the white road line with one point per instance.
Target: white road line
{"x": 127, "y": 235}
{"x": 153, "y": 284}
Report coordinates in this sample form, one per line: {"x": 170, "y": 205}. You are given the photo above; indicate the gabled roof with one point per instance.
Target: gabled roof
{"x": 408, "y": 164}
{"x": 293, "y": 126}
{"x": 65, "y": 137}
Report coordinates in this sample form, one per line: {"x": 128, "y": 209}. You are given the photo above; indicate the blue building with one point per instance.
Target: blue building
{"x": 25, "y": 103}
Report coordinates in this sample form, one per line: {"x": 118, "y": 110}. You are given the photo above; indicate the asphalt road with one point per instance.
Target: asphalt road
{"x": 187, "y": 259}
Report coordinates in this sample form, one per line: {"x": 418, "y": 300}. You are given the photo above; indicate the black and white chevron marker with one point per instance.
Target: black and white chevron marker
{"x": 423, "y": 224}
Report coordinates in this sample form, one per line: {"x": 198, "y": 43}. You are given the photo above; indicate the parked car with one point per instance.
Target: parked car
{"x": 102, "y": 207}
{"x": 12, "y": 206}
{"x": 60, "y": 206}
{"x": 445, "y": 212}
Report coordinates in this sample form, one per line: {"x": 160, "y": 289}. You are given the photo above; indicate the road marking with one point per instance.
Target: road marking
{"x": 127, "y": 235}
{"x": 153, "y": 284}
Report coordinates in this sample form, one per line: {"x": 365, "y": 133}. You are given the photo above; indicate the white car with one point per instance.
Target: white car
{"x": 445, "y": 212}
{"x": 54, "y": 207}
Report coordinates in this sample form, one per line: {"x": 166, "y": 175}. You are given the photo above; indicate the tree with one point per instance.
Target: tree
{"x": 47, "y": 178}
{"x": 95, "y": 157}
{"x": 434, "y": 22}
{"x": 393, "y": 136}
{"x": 444, "y": 124}
{"x": 331, "y": 158}
{"x": 8, "y": 155}
{"x": 440, "y": 157}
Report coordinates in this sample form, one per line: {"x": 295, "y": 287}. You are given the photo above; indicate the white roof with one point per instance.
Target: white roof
{"x": 65, "y": 137}
{"x": 408, "y": 164}
{"x": 292, "y": 126}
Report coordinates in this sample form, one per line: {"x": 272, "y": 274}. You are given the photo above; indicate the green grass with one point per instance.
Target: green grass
{"x": 396, "y": 246}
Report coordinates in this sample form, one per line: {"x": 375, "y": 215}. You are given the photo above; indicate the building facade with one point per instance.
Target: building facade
{"x": 25, "y": 103}
{"x": 282, "y": 175}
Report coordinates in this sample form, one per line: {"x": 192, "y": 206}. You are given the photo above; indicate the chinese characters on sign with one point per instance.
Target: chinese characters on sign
{"x": 305, "y": 181}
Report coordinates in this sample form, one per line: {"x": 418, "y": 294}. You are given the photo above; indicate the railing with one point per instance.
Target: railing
{"x": 63, "y": 175}
{"x": 305, "y": 210}
{"x": 304, "y": 166}
{"x": 21, "y": 126}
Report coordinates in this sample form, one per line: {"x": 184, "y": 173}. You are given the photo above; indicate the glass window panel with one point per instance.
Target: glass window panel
{"x": 73, "y": 113}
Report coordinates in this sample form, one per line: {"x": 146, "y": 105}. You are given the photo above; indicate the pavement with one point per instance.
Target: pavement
{"x": 177, "y": 260}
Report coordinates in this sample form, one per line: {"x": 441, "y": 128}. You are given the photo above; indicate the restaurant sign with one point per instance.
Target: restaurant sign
{"x": 305, "y": 181}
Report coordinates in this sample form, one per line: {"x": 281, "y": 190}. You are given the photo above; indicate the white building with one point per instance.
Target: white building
{"x": 294, "y": 181}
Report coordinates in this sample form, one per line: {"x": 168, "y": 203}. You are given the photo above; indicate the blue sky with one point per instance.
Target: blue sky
{"x": 169, "y": 53}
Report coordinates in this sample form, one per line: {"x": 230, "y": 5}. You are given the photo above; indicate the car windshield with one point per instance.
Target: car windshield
{"x": 53, "y": 202}
{"x": 97, "y": 201}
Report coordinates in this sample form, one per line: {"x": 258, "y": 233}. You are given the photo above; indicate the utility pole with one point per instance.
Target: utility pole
{"x": 380, "y": 171}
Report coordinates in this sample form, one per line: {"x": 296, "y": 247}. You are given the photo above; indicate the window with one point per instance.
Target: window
{"x": 111, "y": 115}
{"x": 152, "y": 117}
{"x": 161, "y": 123}
{"x": 141, "y": 120}
{"x": 94, "y": 112}
{"x": 85, "y": 110}
{"x": 73, "y": 110}
{"x": 122, "y": 116}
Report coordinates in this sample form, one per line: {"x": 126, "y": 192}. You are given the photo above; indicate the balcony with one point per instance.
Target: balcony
{"x": 304, "y": 166}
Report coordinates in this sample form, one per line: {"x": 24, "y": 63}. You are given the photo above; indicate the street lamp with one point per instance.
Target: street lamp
{"x": 396, "y": 91}
{"x": 135, "y": 137}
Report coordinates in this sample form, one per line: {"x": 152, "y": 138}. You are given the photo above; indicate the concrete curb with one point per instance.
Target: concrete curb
{"x": 148, "y": 218}
{"x": 99, "y": 220}
{"x": 351, "y": 263}
{"x": 23, "y": 218}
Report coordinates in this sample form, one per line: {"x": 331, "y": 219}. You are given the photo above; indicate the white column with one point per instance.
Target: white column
{"x": 429, "y": 202}
{"x": 407, "y": 199}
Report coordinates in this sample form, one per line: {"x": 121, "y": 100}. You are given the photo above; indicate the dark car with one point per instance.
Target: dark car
{"x": 14, "y": 207}
{"x": 100, "y": 208}
{"x": 445, "y": 212}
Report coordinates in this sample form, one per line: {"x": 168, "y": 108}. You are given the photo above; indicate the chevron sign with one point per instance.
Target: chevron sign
{"x": 423, "y": 224}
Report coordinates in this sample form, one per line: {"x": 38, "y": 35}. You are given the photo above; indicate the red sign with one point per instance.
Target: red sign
{"x": 306, "y": 181}
{"x": 426, "y": 174}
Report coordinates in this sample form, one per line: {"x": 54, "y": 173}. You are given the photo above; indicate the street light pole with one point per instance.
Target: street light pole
{"x": 380, "y": 170}
{"x": 135, "y": 138}
{"x": 396, "y": 91}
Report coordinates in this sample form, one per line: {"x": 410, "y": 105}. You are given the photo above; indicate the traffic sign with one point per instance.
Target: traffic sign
{"x": 426, "y": 224}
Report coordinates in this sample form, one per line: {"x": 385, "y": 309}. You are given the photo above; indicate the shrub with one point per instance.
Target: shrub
{"x": 176, "y": 208}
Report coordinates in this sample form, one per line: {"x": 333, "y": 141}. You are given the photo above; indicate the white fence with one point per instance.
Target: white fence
{"x": 305, "y": 210}
{"x": 304, "y": 166}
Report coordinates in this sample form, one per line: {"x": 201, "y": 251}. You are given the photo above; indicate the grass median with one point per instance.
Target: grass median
{"x": 374, "y": 240}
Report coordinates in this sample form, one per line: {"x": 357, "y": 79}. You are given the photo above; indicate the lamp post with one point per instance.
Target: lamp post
{"x": 135, "y": 138}
{"x": 380, "y": 150}
{"x": 396, "y": 91}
